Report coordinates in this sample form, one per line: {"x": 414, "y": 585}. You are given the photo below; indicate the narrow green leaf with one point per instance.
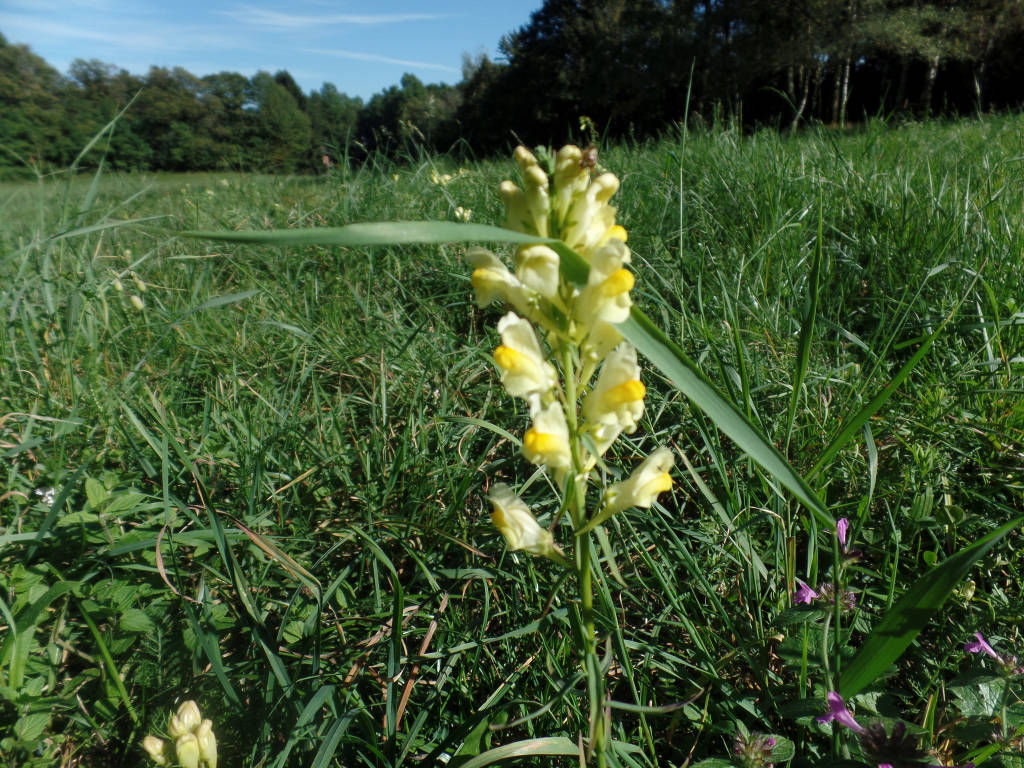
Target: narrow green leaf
{"x": 108, "y": 662}
{"x": 375, "y": 233}
{"x": 325, "y": 755}
{"x": 912, "y": 613}
{"x": 803, "y": 347}
{"x": 691, "y": 381}
{"x": 553, "y": 745}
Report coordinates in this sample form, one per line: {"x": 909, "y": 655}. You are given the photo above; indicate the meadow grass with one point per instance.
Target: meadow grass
{"x": 253, "y": 476}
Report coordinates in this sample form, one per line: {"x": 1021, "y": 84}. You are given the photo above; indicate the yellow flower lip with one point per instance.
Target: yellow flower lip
{"x": 618, "y": 282}
{"x": 510, "y": 359}
{"x": 540, "y": 442}
{"x": 659, "y": 484}
{"x": 618, "y": 232}
{"x": 626, "y": 392}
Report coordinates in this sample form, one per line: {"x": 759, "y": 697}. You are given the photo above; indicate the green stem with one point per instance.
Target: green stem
{"x": 578, "y": 509}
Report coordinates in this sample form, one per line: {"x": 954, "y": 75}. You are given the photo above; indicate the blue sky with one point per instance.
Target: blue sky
{"x": 360, "y": 46}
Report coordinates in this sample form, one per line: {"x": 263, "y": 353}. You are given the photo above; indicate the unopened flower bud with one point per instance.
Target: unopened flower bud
{"x": 187, "y": 750}
{"x": 185, "y": 720}
{"x": 156, "y": 749}
{"x": 207, "y": 743}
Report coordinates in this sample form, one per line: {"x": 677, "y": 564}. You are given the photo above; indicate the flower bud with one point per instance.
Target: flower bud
{"x": 156, "y": 749}
{"x": 187, "y": 750}
{"x": 186, "y": 720}
{"x": 207, "y": 743}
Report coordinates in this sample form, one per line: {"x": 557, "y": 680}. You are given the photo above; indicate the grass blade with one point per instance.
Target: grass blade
{"x": 912, "y": 613}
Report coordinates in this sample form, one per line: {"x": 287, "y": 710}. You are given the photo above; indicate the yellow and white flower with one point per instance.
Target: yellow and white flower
{"x": 156, "y": 749}
{"x": 616, "y": 402}
{"x": 537, "y": 267}
{"x": 493, "y": 282}
{"x": 605, "y": 298}
{"x": 546, "y": 442}
{"x": 642, "y": 488}
{"x": 524, "y": 371}
{"x": 185, "y": 720}
{"x": 517, "y": 524}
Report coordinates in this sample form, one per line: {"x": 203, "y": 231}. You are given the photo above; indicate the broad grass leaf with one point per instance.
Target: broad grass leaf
{"x": 553, "y": 745}
{"x": 912, "y": 613}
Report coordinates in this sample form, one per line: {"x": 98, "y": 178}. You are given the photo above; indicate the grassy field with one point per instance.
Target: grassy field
{"x": 254, "y": 477}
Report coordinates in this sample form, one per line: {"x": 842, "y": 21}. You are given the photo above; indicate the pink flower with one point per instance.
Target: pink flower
{"x": 840, "y": 714}
{"x": 981, "y": 646}
{"x": 805, "y": 594}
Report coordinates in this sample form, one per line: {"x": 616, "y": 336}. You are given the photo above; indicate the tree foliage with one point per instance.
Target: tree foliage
{"x": 631, "y": 67}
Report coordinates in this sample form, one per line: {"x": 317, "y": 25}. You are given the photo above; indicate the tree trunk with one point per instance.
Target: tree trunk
{"x": 805, "y": 84}
{"x": 845, "y": 97}
{"x": 929, "y": 85}
{"x": 901, "y": 89}
{"x": 837, "y": 85}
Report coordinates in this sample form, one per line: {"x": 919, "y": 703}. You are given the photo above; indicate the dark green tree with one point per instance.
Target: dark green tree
{"x": 284, "y": 130}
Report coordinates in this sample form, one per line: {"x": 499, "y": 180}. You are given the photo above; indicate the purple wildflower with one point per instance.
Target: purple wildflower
{"x": 981, "y": 646}
{"x": 840, "y": 714}
{"x": 841, "y": 529}
{"x": 805, "y": 594}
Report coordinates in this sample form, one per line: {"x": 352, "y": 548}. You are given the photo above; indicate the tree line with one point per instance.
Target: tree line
{"x": 632, "y": 67}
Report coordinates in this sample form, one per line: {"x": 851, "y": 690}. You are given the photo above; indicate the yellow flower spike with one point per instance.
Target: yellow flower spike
{"x": 642, "y": 488}
{"x": 537, "y": 268}
{"x": 156, "y": 749}
{"x": 187, "y": 750}
{"x": 524, "y": 371}
{"x": 617, "y": 401}
{"x": 207, "y": 743}
{"x": 517, "y": 524}
{"x": 547, "y": 441}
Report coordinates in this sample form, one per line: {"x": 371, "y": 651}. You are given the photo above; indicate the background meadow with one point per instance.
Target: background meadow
{"x": 254, "y": 476}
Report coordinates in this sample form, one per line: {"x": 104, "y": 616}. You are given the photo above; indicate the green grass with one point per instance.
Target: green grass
{"x": 281, "y": 458}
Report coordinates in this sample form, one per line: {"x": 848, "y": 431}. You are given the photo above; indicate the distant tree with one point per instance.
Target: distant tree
{"x": 409, "y": 117}
{"x": 284, "y": 130}
{"x": 229, "y": 120}
{"x": 30, "y": 108}
{"x": 333, "y": 117}
{"x": 286, "y": 81}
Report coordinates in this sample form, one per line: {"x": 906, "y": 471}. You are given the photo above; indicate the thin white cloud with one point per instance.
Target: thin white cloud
{"x": 37, "y": 26}
{"x": 380, "y": 59}
{"x": 261, "y": 17}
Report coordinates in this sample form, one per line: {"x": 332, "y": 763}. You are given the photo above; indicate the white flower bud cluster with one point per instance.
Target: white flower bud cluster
{"x": 194, "y": 743}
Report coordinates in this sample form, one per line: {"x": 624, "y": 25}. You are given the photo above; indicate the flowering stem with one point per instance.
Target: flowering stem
{"x": 578, "y": 505}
